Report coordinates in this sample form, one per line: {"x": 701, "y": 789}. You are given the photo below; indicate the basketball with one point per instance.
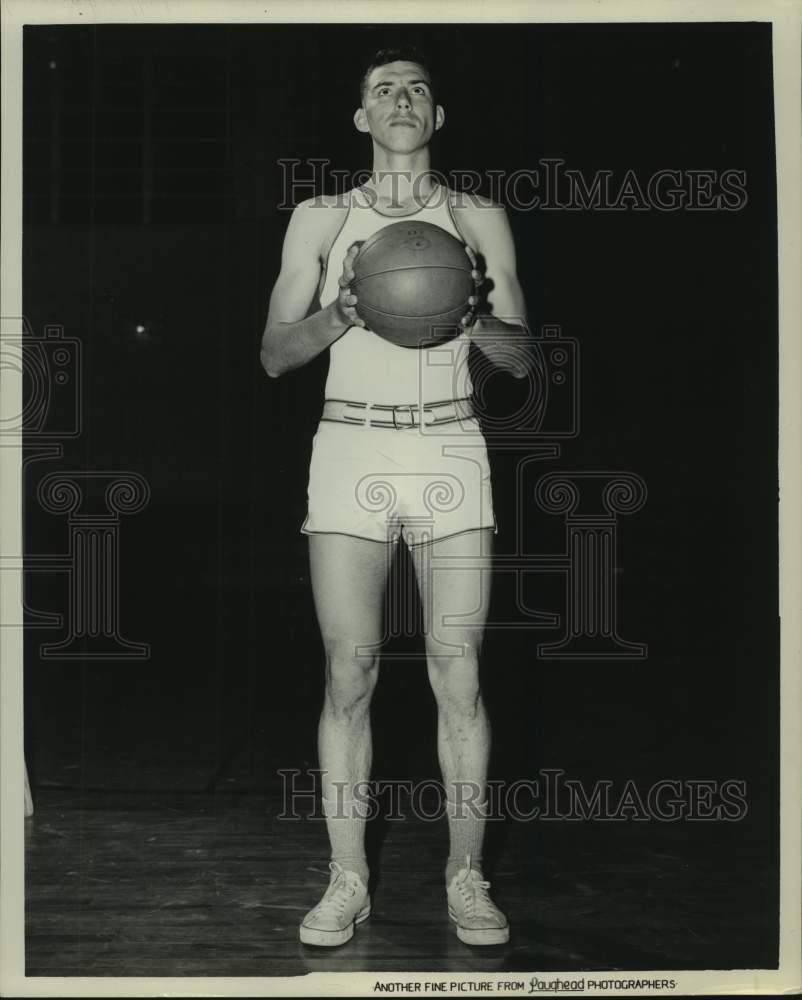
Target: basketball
{"x": 412, "y": 283}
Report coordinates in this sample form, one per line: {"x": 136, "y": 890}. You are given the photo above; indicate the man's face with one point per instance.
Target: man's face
{"x": 397, "y": 108}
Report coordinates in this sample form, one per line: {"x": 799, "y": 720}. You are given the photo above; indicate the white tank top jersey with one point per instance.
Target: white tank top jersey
{"x": 364, "y": 367}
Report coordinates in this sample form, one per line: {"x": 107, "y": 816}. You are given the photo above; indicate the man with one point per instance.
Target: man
{"x": 377, "y": 462}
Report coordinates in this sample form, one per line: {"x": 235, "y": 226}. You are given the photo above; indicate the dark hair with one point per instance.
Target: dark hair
{"x": 397, "y": 53}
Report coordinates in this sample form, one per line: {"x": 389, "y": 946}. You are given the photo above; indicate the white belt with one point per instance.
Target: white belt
{"x": 400, "y": 416}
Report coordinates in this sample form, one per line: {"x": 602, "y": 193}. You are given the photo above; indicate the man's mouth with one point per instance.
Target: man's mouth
{"x": 404, "y": 121}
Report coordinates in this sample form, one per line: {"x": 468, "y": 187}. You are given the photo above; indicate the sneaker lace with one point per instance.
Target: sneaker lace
{"x": 340, "y": 892}
{"x": 474, "y": 890}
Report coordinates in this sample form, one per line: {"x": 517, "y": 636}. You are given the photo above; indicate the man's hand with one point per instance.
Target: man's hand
{"x": 473, "y": 300}
{"x": 346, "y": 300}
{"x": 503, "y": 343}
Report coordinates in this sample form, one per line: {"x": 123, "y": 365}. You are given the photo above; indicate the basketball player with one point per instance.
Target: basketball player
{"x": 397, "y": 454}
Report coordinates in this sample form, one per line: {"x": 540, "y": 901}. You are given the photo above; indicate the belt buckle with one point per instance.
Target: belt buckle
{"x": 404, "y": 408}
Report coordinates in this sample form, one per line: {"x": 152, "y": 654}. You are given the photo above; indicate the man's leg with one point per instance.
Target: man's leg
{"x": 454, "y": 580}
{"x": 349, "y": 577}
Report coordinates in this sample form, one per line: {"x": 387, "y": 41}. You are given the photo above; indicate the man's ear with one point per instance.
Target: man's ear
{"x": 439, "y": 117}
{"x": 361, "y": 120}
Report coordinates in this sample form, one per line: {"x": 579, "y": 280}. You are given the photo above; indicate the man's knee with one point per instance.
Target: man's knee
{"x": 454, "y": 677}
{"x": 351, "y": 673}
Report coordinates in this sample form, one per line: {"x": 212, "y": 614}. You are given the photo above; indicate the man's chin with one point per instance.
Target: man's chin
{"x": 405, "y": 143}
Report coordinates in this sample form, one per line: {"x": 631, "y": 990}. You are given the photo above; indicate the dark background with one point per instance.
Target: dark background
{"x": 151, "y": 186}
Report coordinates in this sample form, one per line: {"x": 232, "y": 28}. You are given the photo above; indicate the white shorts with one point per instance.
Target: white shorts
{"x": 381, "y": 483}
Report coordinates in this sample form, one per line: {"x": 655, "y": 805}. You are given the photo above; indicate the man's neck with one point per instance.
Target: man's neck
{"x": 401, "y": 181}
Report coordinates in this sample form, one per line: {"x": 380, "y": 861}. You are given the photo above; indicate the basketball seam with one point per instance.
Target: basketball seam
{"x": 412, "y": 267}
{"x": 416, "y": 319}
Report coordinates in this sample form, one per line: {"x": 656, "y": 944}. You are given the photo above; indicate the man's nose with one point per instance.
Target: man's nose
{"x": 402, "y": 101}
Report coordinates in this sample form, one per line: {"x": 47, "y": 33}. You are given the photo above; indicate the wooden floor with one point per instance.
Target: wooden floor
{"x": 214, "y": 885}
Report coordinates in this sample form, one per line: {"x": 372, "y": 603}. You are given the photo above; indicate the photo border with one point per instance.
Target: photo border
{"x": 786, "y": 18}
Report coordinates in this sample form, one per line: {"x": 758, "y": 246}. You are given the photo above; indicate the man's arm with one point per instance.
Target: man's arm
{"x": 502, "y": 334}
{"x": 291, "y": 338}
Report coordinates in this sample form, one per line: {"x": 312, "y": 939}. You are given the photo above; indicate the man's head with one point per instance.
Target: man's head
{"x": 398, "y": 107}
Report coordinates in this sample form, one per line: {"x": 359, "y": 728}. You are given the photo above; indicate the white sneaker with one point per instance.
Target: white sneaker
{"x": 478, "y": 919}
{"x": 344, "y": 904}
